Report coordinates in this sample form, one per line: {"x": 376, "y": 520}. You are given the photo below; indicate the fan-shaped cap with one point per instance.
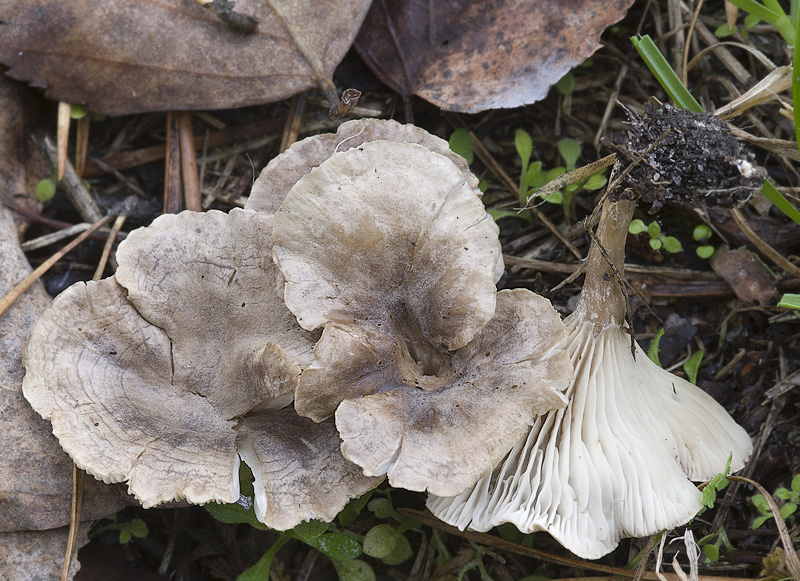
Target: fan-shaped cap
{"x": 388, "y": 230}
{"x": 149, "y": 376}
{"x": 616, "y": 462}
{"x": 280, "y": 175}
{"x": 441, "y": 423}
{"x": 389, "y": 249}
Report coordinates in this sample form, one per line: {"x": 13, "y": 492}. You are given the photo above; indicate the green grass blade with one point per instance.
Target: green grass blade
{"x": 796, "y": 93}
{"x": 790, "y": 301}
{"x": 782, "y": 203}
{"x": 660, "y": 68}
{"x": 773, "y": 14}
{"x": 757, "y": 9}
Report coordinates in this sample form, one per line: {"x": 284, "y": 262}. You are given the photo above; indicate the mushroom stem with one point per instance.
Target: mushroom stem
{"x": 603, "y": 300}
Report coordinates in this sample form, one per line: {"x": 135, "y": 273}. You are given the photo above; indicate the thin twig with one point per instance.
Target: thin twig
{"x": 75, "y": 520}
{"x": 112, "y": 237}
{"x": 512, "y": 547}
{"x": 762, "y": 246}
{"x": 18, "y": 290}
{"x": 641, "y": 568}
{"x": 62, "y": 137}
{"x": 76, "y": 191}
{"x": 191, "y": 185}
{"x": 692, "y": 24}
{"x": 294, "y": 120}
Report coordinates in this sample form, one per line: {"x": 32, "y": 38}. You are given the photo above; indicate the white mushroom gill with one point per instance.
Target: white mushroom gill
{"x": 618, "y": 460}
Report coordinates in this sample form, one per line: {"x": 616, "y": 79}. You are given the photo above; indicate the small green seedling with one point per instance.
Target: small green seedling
{"x": 127, "y": 530}
{"x": 692, "y": 366}
{"x": 46, "y": 189}
{"x": 658, "y": 239}
{"x": 461, "y": 143}
{"x": 652, "y": 352}
{"x": 383, "y": 541}
{"x": 712, "y": 543}
{"x": 791, "y": 498}
{"x": 718, "y": 483}
{"x": 724, "y": 30}
{"x": 532, "y": 176}
{"x": 703, "y": 234}
{"x": 566, "y": 84}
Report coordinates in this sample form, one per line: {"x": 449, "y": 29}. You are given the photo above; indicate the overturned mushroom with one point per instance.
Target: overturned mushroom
{"x": 165, "y": 374}
{"x": 389, "y": 249}
{"x": 619, "y": 459}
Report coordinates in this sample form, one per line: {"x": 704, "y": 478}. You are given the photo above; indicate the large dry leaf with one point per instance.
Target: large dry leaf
{"x": 118, "y": 56}
{"x": 472, "y": 55}
{"x": 34, "y": 555}
{"x": 35, "y": 473}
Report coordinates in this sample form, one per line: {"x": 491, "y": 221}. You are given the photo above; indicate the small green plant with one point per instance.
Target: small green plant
{"x": 718, "y": 483}
{"x": 712, "y": 543}
{"x": 658, "y": 239}
{"x": 385, "y": 541}
{"x": 772, "y": 12}
{"x": 566, "y": 84}
{"x": 702, "y": 234}
{"x": 692, "y": 366}
{"x": 655, "y": 346}
{"x": 127, "y": 530}
{"x": 724, "y": 30}
{"x": 46, "y": 189}
{"x": 533, "y": 177}
{"x": 791, "y": 500}
{"x": 461, "y": 143}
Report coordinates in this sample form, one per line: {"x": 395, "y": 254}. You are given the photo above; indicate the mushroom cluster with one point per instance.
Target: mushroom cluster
{"x": 345, "y": 327}
{"x": 377, "y": 315}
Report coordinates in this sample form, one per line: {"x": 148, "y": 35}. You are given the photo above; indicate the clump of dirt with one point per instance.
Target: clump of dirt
{"x": 680, "y": 156}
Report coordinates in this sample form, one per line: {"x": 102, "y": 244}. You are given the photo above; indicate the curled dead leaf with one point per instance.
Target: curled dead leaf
{"x": 118, "y": 57}
{"x": 472, "y": 55}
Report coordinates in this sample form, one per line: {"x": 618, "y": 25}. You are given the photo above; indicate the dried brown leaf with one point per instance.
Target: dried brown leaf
{"x": 471, "y": 55}
{"x": 118, "y": 57}
{"x": 746, "y": 273}
{"x": 35, "y": 473}
{"x": 37, "y": 554}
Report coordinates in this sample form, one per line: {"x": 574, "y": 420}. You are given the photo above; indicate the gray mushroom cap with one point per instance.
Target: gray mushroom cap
{"x": 389, "y": 249}
{"x": 163, "y": 375}
{"x": 285, "y": 170}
